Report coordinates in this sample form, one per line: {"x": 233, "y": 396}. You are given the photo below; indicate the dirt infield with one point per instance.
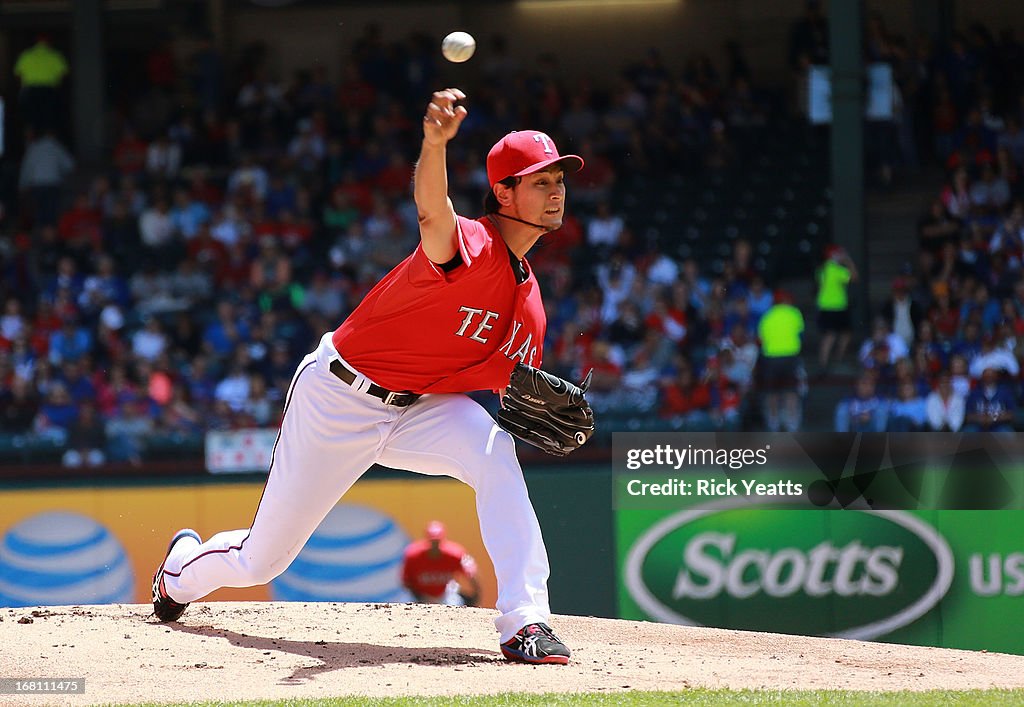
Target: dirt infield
{"x": 247, "y": 650}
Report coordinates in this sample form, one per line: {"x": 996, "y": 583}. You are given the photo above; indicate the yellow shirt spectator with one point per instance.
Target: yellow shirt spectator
{"x": 832, "y": 281}
{"x": 41, "y": 65}
{"x": 780, "y": 330}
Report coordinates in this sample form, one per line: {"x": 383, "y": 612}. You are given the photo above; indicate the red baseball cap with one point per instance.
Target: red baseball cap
{"x": 782, "y": 297}
{"x": 525, "y": 152}
{"x": 435, "y": 530}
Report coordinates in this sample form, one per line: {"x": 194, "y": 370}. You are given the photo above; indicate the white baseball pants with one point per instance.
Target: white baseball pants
{"x": 331, "y": 434}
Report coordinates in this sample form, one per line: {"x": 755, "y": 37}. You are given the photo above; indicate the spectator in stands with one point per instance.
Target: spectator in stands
{"x": 249, "y": 180}
{"x": 884, "y": 347}
{"x": 40, "y": 69}
{"x": 990, "y": 407}
{"x": 149, "y": 342}
{"x": 685, "y": 401}
{"x": 606, "y": 362}
{"x": 615, "y": 278}
{"x": 981, "y": 309}
{"x": 605, "y": 229}
{"x": 993, "y": 357}
{"x": 968, "y": 345}
{"x": 152, "y": 290}
{"x": 956, "y": 197}
{"x": 130, "y": 154}
{"x": 57, "y": 413}
{"x": 902, "y": 313}
{"x": 834, "y": 278}
{"x": 699, "y": 286}
{"x": 156, "y": 228}
{"x": 179, "y": 416}
{"x": 128, "y": 428}
{"x": 77, "y": 378}
{"x": 740, "y": 365}
{"x": 163, "y": 158}
{"x": 945, "y": 407}
{"x": 908, "y": 412}
{"x": 44, "y": 171}
{"x": 937, "y": 227}
{"x": 808, "y": 37}
{"x": 258, "y": 405}
{"x": 781, "y": 330}
{"x": 87, "y": 439}
{"x": 759, "y": 297}
{"x": 726, "y": 396}
{"x": 865, "y": 411}
{"x": 990, "y": 194}
{"x": 627, "y": 330}
{"x": 234, "y": 388}
{"x": 13, "y": 323}
{"x": 227, "y": 331}
{"x": 72, "y": 341}
{"x": 19, "y": 406}
{"x": 669, "y": 321}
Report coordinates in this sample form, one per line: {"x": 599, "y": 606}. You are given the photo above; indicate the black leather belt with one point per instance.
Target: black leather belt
{"x": 389, "y": 397}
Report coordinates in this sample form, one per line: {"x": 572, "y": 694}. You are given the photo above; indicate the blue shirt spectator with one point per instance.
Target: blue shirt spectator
{"x": 865, "y": 411}
{"x": 908, "y": 413}
{"x": 188, "y": 214}
{"x": 77, "y": 382}
{"x": 58, "y": 411}
{"x": 226, "y": 332}
{"x": 990, "y": 406}
{"x": 69, "y": 343}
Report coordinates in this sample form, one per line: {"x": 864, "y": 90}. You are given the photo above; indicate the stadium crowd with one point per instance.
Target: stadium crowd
{"x": 241, "y": 216}
{"x": 945, "y": 350}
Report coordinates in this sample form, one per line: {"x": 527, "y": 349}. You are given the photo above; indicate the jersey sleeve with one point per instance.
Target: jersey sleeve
{"x": 474, "y": 243}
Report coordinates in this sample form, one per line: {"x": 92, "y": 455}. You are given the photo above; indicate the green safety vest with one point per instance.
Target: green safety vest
{"x": 41, "y": 65}
{"x": 832, "y": 281}
{"x": 780, "y": 330}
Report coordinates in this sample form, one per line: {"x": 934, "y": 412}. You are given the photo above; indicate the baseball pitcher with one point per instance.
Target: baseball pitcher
{"x": 462, "y": 313}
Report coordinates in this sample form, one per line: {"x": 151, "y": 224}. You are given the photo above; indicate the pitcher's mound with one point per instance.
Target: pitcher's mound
{"x": 250, "y": 650}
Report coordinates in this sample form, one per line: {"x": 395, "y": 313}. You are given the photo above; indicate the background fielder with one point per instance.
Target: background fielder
{"x": 436, "y": 570}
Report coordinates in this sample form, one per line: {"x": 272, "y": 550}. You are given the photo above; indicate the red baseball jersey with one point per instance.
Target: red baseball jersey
{"x": 429, "y": 576}
{"x": 424, "y": 330}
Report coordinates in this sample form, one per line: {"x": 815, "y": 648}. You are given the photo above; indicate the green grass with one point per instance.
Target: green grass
{"x": 699, "y": 697}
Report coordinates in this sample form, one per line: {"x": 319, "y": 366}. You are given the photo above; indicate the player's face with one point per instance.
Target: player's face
{"x": 540, "y": 197}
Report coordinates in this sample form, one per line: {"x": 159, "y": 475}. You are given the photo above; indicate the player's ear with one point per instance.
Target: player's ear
{"x": 503, "y": 194}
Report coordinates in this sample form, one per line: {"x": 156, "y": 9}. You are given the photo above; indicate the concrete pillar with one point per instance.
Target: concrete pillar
{"x": 88, "y": 86}
{"x": 845, "y": 32}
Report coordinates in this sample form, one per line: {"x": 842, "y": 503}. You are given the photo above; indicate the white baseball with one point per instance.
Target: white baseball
{"x": 458, "y": 47}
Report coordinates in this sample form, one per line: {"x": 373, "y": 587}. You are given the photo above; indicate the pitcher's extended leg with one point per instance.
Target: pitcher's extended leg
{"x": 329, "y": 437}
{"x": 452, "y": 435}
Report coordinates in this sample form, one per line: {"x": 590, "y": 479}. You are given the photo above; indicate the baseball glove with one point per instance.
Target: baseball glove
{"x": 546, "y": 411}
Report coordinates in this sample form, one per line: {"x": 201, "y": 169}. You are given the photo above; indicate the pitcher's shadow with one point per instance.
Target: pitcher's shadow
{"x": 339, "y": 655}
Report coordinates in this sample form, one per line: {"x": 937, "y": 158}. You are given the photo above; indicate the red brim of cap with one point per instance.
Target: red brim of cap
{"x": 571, "y": 163}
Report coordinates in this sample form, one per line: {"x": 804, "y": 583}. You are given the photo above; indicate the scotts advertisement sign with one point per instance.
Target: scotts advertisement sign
{"x": 936, "y": 578}
{"x": 852, "y": 574}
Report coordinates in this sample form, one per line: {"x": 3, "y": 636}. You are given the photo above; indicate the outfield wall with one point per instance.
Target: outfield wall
{"x": 942, "y": 577}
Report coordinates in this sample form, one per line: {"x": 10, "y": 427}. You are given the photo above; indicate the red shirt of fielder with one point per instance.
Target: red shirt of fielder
{"x": 432, "y": 564}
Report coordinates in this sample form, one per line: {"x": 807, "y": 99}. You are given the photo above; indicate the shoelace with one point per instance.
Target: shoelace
{"x": 544, "y": 630}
